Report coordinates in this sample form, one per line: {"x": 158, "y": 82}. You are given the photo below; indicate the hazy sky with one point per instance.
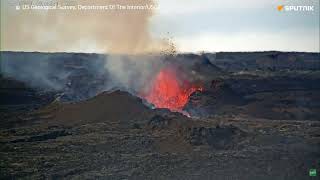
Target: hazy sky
{"x": 238, "y": 25}
{"x": 206, "y": 25}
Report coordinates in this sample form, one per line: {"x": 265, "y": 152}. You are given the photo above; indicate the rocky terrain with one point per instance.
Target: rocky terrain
{"x": 256, "y": 118}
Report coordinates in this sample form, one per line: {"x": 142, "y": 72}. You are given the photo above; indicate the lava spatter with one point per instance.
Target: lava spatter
{"x": 170, "y": 91}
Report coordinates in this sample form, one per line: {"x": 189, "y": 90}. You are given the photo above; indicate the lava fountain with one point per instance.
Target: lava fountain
{"x": 169, "y": 90}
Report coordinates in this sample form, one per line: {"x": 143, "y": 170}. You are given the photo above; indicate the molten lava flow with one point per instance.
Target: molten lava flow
{"x": 168, "y": 91}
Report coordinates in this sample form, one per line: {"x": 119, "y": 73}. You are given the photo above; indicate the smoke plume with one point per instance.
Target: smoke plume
{"x": 116, "y": 31}
{"x": 132, "y": 56}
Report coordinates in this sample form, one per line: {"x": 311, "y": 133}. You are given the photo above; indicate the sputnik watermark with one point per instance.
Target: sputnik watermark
{"x": 295, "y": 8}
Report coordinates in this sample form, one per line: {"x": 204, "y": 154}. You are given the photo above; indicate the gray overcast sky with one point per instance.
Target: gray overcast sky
{"x": 238, "y": 25}
{"x": 193, "y": 25}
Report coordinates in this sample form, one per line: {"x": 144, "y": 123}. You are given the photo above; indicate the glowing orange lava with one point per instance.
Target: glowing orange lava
{"x": 168, "y": 91}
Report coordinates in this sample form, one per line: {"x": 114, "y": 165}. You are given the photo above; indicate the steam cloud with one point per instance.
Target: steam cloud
{"x": 111, "y": 31}
{"x": 122, "y": 34}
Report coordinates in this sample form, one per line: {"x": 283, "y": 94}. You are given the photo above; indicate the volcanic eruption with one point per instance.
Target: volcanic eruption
{"x": 170, "y": 90}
